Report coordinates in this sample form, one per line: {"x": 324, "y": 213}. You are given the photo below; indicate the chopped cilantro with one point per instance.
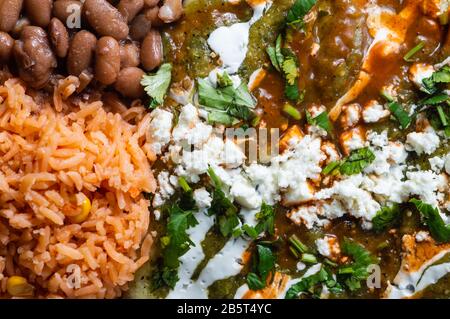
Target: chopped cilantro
{"x": 386, "y": 217}
{"x": 156, "y": 85}
{"x": 431, "y": 217}
{"x": 263, "y": 264}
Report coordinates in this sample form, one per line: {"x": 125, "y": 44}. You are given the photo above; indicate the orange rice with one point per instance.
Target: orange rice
{"x": 51, "y": 160}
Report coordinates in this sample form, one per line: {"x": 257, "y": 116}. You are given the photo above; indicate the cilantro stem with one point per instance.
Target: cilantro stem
{"x": 297, "y": 244}
{"x": 292, "y": 111}
{"x": 413, "y": 51}
{"x": 309, "y": 258}
{"x": 442, "y": 115}
{"x": 184, "y": 185}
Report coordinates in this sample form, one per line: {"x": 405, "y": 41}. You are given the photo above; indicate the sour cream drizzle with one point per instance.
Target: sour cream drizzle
{"x": 231, "y": 42}
{"x": 407, "y": 284}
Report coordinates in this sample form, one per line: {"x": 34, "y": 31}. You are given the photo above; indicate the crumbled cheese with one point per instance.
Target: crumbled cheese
{"x": 447, "y": 164}
{"x": 437, "y": 163}
{"x": 202, "y": 198}
{"x": 323, "y": 247}
{"x": 374, "y": 111}
{"x": 160, "y": 129}
{"x": 422, "y": 142}
{"x": 422, "y": 236}
{"x": 419, "y": 72}
{"x": 427, "y": 185}
{"x": 244, "y": 193}
{"x": 352, "y": 139}
{"x": 190, "y": 129}
{"x": 351, "y": 114}
{"x": 300, "y": 266}
{"x": 165, "y": 189}
{"x": 157, "y": 214}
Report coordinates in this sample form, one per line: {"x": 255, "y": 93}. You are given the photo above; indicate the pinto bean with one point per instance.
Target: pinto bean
{"x": 151, "y": 50}
{"x": 171, "y": 10}
{"x": 107, "y": 60}
{"x": 129, "y": 82}
{"x": 34, "y": 57}
{"x": 39, "y": 11}
{"x": 105, "y": 19}
{"x": 18, "y": 27}
{"x": 81, "y": 52}
{"x": 9, "y": 14}
{"x": 139, "y": 27}
{"x": 129, "y": 55}
{"x": 151, "y": 3}
{"x": 67, "y": 11}
{"x": 152, "y": 16}
{"x": 6, "y": 46}
{"x": 59, "y": 37}
{"x": 130, "y": 8}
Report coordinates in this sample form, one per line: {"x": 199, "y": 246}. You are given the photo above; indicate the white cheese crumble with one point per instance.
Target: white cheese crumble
{"x": 323, "y": 247}
{"x": 422, "y": 142}
{"x": 419, "y": 72}
{"x": 437, "y": 163}
{"x": 374, "y": 112}
{"x": 160, "y": 129}
{"x": 202, "y": 198}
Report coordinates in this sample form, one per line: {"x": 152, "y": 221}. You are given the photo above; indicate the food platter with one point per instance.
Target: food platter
{"x": 247, "y": 149}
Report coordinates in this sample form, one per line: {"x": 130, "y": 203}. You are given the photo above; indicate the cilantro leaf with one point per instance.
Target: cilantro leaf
{"x": 431, "y": 84}
{"x": 156, "y": 85}
{"x": 222, "y": 207}
{"x": 356, "y": 271}
{"x": 386, "y": 218}
{"x": 299, "y": 10}
{"x": 212, "y": 97}
{"x": 400, "y": 114}
{"x": 230, "y": 103}
{"x": 224, "y": 80}
{"x": 307, "y": 284}
{"x": 290, "y": 70}
{"x": 320, "y": 120}
{"x": 438, "y": 229}
{"x": 357, "y": 161}
{"x": 262, "y": 266}
{"x": 292, "y": 92}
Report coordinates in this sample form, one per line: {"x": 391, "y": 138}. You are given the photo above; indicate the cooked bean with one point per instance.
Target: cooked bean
{"x": 129, "y": 55}
{"x": 107, "y": 60}
{"x": 6, "y": 45}
{"x": 39, "y": 11}
{"x": 130, "y": 8}
{"x": 105, "y": 19}
{"x": 139, "y": 27}
{"x": 151, "y": 3}
{"x": 152, "y": 15}
{"x": 81, "y": 52}
{"x": 18, "y": 27}
{"x": 59, "y": 37}
{"x": 67, "y": 11}
{"x": 9, "y": 14}
{"x": 151, "y": 50}
{"x": 129, "y": 82}
{"x": 171, "y": 10}
{"x": 34, "y": 57}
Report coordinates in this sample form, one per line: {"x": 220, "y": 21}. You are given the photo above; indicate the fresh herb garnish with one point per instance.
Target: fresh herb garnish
{"x": 292, "y": 111}
{"x": 386, "y": 218}
{"x": 285, "y": 62}
{"x": 431, "y": 217}
{"x": 400, "y": 114}
{"x": 176, "y": 242}
{"x": 298, "y": 11}
{"x": 353, "y": 273}
{"x": 309, "y": 284}
{"x": 432, "y": 84}
{"x": 320, "y": 120}
{"x": 413, "y": 51}
{"x": 222, "y": 207}
{"x": 355, "y": 163}
{"x": 156, "y": 85}
{"x": 225, "y": 104}
{"x": 266, "y": 223}
{"x": 263, "y": 265}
